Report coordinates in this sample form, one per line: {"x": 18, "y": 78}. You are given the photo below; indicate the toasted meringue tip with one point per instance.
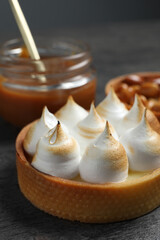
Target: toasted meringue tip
{"x": 92, "y": 123}
{"x": 93, "y": 111}
{"x": 58, "y": 126}
{"x": 70, "y": 99}
{"x": 107, "y": 124}
{"x": 45, "y": 111}
{"x": 108, "y": 129}
{"x": 52, "y": 131}
{"x": 112, "y": 90}
{"x": 138, "y": 101}
{"x": 92, "y": 108}
{"x": 44, "y": 108}
{"x": 93, "y": 103}
{"x": 56, "y": 133}
{"x": 136, "y": 112}
{"x": 113, "y": 93}
{"x": 60, "y": 134}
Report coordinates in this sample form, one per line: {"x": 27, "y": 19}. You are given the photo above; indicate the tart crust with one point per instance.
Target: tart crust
{"x": 85, "y": 202}
{"x": 114, "y": 81}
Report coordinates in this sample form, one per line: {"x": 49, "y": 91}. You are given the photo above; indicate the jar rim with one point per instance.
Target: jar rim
{"x": 73, "y": 59}
{"x": 11, "y": 49}
{"x": 60, "y": 56}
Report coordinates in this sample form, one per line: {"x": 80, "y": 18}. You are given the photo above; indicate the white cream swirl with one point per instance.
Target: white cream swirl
{"x": 71, "y": 113}
{"x": 57, "y": 154}
{"x": 131, "y": 118}
{"x": 104, "y": 160}
{"x": 142, "y": 146}
{"x": 90, "y": 128}
{"x": 111, "y": 108}
{"x": 39, "y": 129}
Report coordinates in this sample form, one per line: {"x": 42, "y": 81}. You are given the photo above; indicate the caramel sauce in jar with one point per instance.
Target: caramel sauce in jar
{"x": 147, "y": 85}
{"x": 24, "y": 91}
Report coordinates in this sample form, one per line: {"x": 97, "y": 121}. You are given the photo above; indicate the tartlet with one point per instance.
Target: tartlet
{"x": 86, "y": 202}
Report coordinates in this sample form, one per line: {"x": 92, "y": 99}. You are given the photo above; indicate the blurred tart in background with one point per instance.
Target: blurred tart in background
{"x": 145, "y": 84}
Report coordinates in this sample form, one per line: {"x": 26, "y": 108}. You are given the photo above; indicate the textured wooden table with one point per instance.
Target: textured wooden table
{"x": 117, "y": 49}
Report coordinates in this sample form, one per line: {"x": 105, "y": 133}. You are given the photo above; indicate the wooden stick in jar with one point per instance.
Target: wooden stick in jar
{"x": 27, "y": 37}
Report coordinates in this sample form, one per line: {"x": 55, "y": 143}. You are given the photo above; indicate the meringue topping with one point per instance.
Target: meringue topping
{"x": 111, "y": 108}
{"x": 142, "y": 146}
{"x": 71, "y": 113}
{"x": 90, "y": 128}
{"x": 57, "y": 154}
{"x": 39, "y": 129}
{"x": 131, "y": 118}
{"x": 105, "y": 160}
{"x": 92, "y": 145}
{"x": 92, "y": 125}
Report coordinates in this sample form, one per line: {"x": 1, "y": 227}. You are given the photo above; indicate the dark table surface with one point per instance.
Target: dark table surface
{"x": 117, "y": 48}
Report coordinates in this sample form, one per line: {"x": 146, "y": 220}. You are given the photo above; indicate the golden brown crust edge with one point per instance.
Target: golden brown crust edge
{"x": 115, "y": 80}
{"x": 91, "y": 203}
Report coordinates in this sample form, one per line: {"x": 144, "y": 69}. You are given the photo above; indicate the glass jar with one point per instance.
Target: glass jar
{"x": 24, "y": 90}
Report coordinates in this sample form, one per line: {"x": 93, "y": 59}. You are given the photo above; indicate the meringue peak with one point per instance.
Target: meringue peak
{"x": 104, "y": 160}
{"x": 106, "y": 137}
{"x": 71, "y": 113}
{"x": 132, "y": 118}
{"x": 107, "y": 130}
{"x": 48, "y": 118}
{"x": 113, "y": 96}
{"x": 57, "y": 154}
{"x": 112, "y": 109}
{"x": 57, "y": 135}
{"x": 144, "y": 127}
{"x": 70, "y": 100}
{"x": 90, "y": 128}
{"x": 106, "y": 133}
{"x": 39, "y": 129}
{"x": 142, "y": 146}
{"x": 111, "y": 103}
{"x": 93, "y": 123}
{"x": 137, "y": 110}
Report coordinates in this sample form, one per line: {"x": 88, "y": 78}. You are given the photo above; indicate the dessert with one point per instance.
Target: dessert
{"x": 81, "y": 171}
{"x": 146, "y": 84}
